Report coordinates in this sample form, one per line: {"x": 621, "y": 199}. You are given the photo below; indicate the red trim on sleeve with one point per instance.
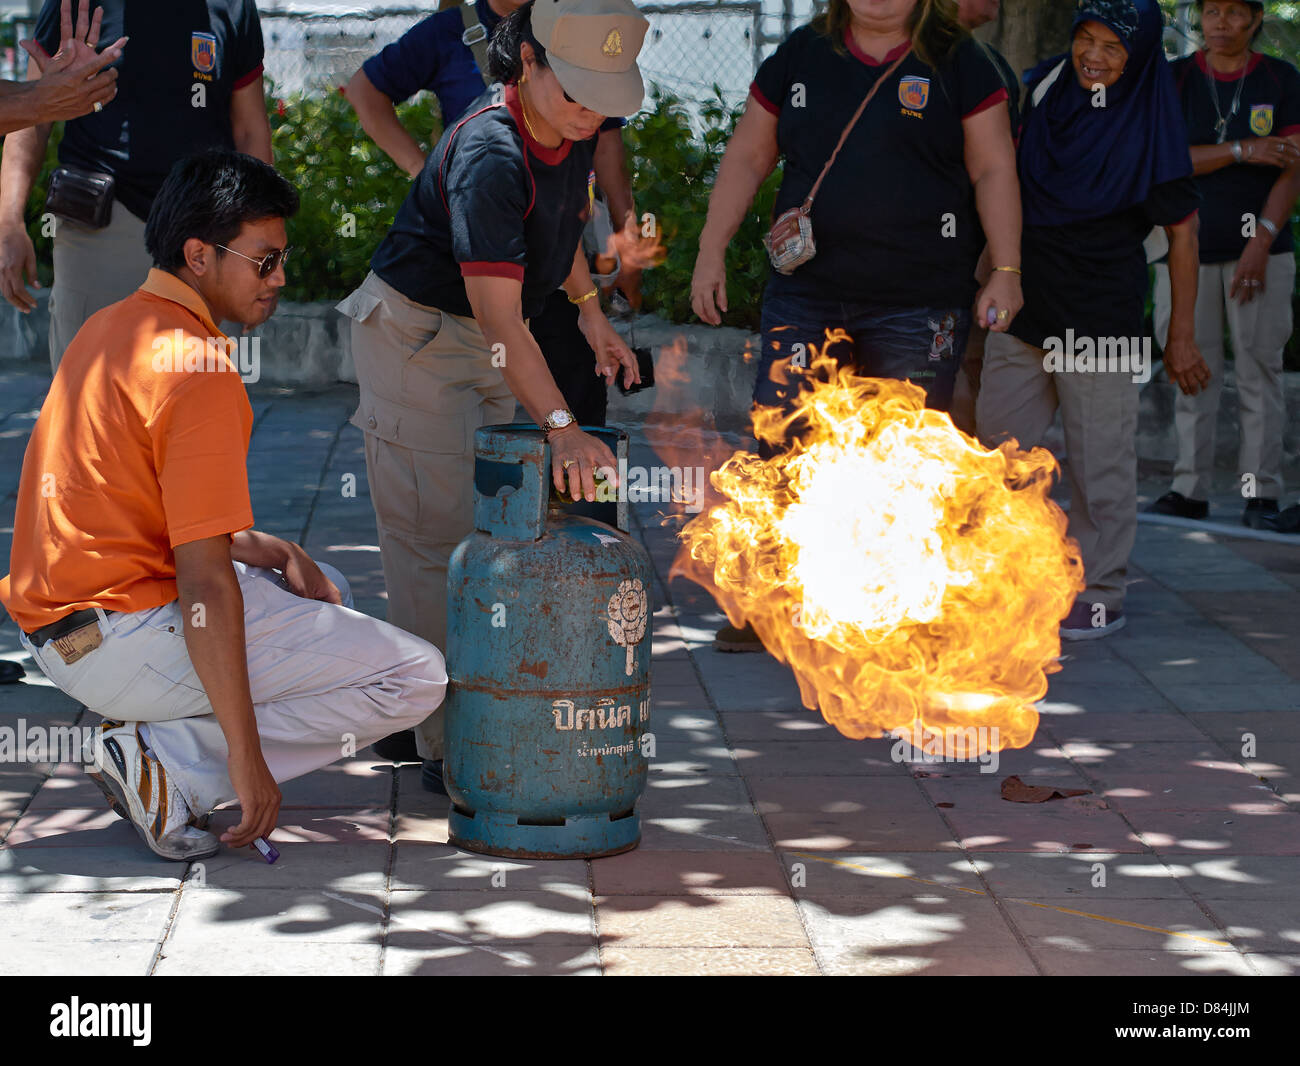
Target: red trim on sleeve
{"x": 1182, "y": 221}
{"x": 1289, "y": 131}
{"x": 250, "y": 77}
{"x": 762, "y": 100}
{"x": 513, "y": 271}
{"x": 992, "y": 100}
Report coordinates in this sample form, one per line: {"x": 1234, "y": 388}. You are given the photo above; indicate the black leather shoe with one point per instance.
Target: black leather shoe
{"x": 397, "y": 747}
{"x": 1287, "y": 521}
{"x": 10, "y": 672}
{"x": 1260, "y": 513}
{"x": 431, "y": 777}
{"x": 1178, "y": 505}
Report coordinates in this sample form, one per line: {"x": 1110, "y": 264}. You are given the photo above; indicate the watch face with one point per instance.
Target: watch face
{"x": 559, "y": 419}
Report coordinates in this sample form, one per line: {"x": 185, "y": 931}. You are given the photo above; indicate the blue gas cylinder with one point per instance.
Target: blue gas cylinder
{"x": 548, "y": 656}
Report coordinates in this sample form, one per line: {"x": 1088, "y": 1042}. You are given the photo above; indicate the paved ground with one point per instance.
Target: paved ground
{"x": 771, "y": 844}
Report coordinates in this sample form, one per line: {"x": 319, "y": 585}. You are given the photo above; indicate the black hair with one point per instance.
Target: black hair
{"x": 1254, "y": 5}
{"x": 504, "y": 61}
{"x": 210, "y": 196}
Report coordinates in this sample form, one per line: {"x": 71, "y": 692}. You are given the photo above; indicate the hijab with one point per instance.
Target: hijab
{"x": 1079, "y": 161}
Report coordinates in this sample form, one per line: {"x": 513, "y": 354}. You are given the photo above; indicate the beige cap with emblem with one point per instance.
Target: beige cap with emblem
{"x": 592, "y": 46}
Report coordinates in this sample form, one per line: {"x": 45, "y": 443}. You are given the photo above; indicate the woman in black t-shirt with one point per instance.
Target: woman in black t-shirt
{"x": 489, "y": 230}
{"x": 901, "y": 217}
{"x": 1103, "y": 159}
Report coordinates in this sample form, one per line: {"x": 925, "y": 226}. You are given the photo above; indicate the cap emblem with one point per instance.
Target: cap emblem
{"x": 613, "y": 45}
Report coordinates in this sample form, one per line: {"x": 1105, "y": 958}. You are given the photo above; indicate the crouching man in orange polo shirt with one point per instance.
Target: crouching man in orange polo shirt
{"x": 221, "y": 658}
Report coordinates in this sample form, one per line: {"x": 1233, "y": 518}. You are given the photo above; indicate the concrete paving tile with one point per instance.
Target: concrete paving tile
{"x": 363, "y": 866}
{"x": 1104, "y": 761}
{"x": 982, "y": 792}
{"x": 726, "y": 832}
{"x": 893, "y": 875}
{"x": 1079, "y": 959}
{"x": 1101, "y": 670}
{"x": 708, "y": 962}
{"x": 1133, "y": 924}
{"x": 1128, "y": 768}
{"x": 1246, "y": 877}
{"x": 250, "y": 958}
{"x": 1067, "y": 698}
{"x": 693, "y": 795}
{"x": 62, "y": 791}
{"x": 774, "y": 726}
{"x": 1083, "y": 876}
{"x": 105, "y": 958}
{"x": 916, "y": 926}
{"x": 447, "y": 868}
{"x": 698, "y": 921}
{"x": 685, "y": 727}
{"x": 860, "y": 831}
{"x": 803, "y": 758}
{"x": 1064, "y": 826}
{"x": 273, "y": 916}
{"x": 840, "y": 794}
{"x": 558, "y": 915}
{"x": 1220, "y": 670}
{"x": 76, "y": 827}
{"x": 1269, "y": 926}
{"x": 673, "y": 672}
{"x": 83, "y": 917}
{"x": 1240, "y": 697}
{"x": 1276, "y": 760}
{"x": 930, "y": 960}
{"x": 315, "y": 826}
{"x": 129, "y": 868}
{"x": 1190, "y": 792}
{"x": 1264, "y": 726}
{"x": 675, "y": 758}
{"x": 1274, "y": 965}
{"x": 1210, "y": 832}
{"x": 488, "y": 960}
{"x": 36, "y": 701}
{"x": 1111, "y": 726}
{"x": 684, "y": 873}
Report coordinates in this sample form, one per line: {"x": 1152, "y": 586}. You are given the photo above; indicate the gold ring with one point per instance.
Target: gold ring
{"x": 99, "y": 105}
{"x": 1002, "y": 315}
{"x": 567, "y": 463}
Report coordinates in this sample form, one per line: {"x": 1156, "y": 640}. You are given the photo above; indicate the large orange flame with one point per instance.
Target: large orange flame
{"x": 913, "y": 579}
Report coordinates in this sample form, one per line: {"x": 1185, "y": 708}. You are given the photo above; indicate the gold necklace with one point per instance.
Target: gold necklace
{"x": 523, "y": 110}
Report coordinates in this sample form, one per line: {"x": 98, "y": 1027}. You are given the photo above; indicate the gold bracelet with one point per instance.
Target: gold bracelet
{"x": 579, "y": 301}
{"x": 1009, "y": 270}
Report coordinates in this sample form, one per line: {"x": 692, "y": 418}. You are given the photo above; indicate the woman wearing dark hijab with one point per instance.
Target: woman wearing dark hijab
{"x": 1103, "y": 158}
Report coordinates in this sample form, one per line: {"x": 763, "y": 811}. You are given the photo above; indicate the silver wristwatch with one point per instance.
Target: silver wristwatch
{"x": 1236, "y": 151}
{"x": 558, "y": 419}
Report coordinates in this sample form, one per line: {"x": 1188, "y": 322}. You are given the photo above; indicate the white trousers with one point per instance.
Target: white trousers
{"x": 326, "y": 682}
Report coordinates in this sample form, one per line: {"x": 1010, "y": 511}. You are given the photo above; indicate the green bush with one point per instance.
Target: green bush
{"x": 672, "y": 175}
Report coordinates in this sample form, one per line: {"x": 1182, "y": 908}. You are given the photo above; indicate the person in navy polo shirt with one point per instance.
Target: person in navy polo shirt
{"x": 1242, "y": 110}
{"x": 925, "y": 179}
{"x": 489, "y": 230}
{"x": 190, "y": 79}
{"x": 434, "y": 55}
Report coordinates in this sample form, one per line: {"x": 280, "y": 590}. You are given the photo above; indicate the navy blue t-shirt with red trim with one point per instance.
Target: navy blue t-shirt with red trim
{"x": 490, "y": 201}
{"x": 432, "y": 56}
{"x": 152, "y": 121}
{"x": 895, "y": 220}
{"x": 1269, "y": 105}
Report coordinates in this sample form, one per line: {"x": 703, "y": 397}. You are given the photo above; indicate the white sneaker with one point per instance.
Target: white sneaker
{"x": 138, "y": 787}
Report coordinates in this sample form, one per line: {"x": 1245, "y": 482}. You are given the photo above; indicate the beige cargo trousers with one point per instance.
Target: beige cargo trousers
{"x": 427, "y": 383}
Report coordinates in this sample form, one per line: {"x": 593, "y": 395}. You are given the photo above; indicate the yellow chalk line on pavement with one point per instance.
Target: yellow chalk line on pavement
{"x": 1009, "y": 899}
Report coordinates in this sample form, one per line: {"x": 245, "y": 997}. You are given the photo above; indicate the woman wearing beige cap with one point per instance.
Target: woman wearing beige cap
{"x": 490, "y": 228}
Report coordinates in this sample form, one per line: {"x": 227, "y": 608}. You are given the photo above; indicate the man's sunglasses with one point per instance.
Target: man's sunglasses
{"x": 267, "y": 264}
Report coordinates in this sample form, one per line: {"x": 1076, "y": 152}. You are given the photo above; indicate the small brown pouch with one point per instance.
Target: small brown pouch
{"x": 80, "y": 642}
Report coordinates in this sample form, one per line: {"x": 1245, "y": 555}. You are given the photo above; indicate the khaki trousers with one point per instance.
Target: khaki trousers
{"x": 1018, "y": 399}
{"x": 427, "y": 383}
{"x": 92, "y": 269}
{"x": 1259, "y": 331}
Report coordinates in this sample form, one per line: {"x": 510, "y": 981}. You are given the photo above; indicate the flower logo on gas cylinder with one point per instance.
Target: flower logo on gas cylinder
{"x": 628, "y": 608}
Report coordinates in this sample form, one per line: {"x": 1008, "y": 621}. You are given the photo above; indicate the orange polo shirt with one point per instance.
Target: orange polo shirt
{"x": 141, "y": 445}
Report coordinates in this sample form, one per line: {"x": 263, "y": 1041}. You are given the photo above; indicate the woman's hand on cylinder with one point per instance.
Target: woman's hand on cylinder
{"x": 1185, "y": 366}
{"x": 1001, "y": 295}
{"x": 1271, "y": 152}
{"x": 1248, "y": 278}
{"x": 611, "y": 351}
{"x": 709, "y": 288}
{"x": 575, "y": 459}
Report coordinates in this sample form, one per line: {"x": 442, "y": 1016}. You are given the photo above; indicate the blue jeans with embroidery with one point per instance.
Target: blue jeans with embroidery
{"x": 924, "y": 345}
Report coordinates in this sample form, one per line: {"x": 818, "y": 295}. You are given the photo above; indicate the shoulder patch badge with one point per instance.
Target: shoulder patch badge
{"x": 914, "y": 93}
{"x": 203, "y": 51}
{"x": 1261, "y": 120}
